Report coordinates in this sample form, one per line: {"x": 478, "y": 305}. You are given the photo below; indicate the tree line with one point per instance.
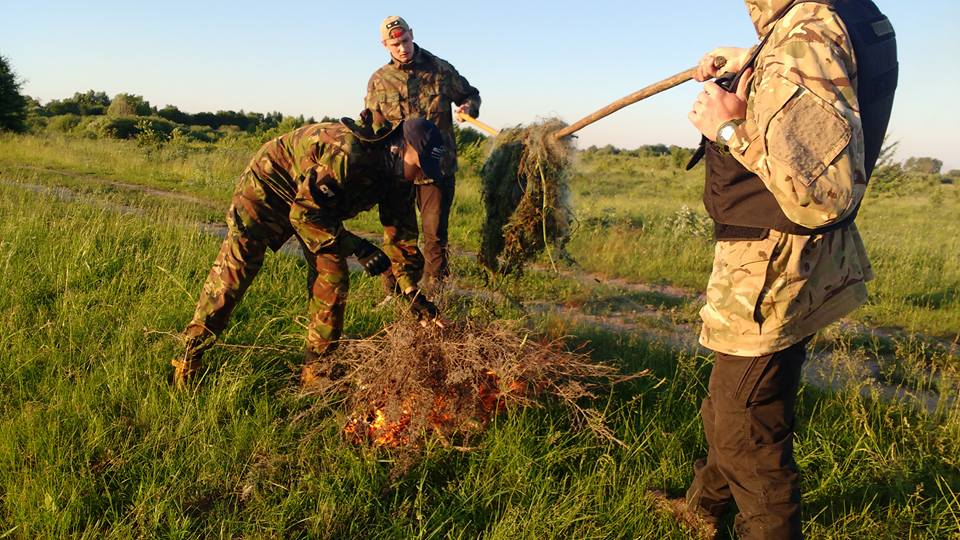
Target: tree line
{"x": 125, "y": 116}
{"x": 92, "y": 103}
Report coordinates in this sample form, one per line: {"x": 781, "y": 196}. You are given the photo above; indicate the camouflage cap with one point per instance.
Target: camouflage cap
{"x": 393, "y": 27}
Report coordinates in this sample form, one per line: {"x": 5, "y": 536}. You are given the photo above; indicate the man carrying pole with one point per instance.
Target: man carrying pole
{"x": 790, "y": 144}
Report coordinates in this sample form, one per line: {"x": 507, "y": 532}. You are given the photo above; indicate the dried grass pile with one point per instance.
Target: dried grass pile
{"x": 526, "y": 196}
{"x": 409, "y": 384}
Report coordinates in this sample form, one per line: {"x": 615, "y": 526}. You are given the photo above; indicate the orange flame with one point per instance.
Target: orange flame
{"x": 375, "y": 428}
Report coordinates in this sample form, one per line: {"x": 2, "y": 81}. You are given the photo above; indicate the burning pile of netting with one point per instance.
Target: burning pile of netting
{"x": 409, "y": 384}
{"x": 526, "y": 196}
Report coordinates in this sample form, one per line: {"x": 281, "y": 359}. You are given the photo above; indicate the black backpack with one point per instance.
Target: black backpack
{"x": 875, "y": 47}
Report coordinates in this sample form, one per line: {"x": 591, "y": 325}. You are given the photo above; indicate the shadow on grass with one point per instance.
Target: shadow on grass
{"x": 941, "y": 299}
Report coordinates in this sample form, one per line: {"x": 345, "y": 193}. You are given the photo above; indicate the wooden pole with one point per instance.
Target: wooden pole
{"x": 467, "y": 118}
{"x": 643, "y": 93}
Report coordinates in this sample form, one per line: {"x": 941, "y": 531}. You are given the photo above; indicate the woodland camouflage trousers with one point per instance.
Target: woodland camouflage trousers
{"x": 255, "y": 223}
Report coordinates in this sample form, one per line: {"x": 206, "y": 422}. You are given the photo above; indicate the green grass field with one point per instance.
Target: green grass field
{"x": 95, "y": 443}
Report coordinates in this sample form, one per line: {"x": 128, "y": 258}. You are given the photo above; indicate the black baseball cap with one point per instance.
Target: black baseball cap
{"x": 427, "y": 140}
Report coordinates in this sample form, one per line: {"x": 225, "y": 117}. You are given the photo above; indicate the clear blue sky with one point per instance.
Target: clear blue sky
{"x": 529, "y": 59}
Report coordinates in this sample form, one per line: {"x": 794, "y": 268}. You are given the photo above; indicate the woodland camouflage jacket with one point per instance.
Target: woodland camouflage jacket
{"x": 327, "y": 175}
{"x": 425, "y": 87}
{"x": 803, "y": 138}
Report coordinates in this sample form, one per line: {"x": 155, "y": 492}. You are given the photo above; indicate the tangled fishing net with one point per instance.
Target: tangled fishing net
{"x": 409, "y": 384}
{"x": 526, "y": 196}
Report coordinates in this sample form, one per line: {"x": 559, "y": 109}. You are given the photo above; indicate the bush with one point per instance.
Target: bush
{"x": 65, "y": 123}
{"x": 687, "y": 222}
{"x": 680, "y": 156}
{"x": 609, "y": 150}
{"x": 90, "y": 103}
{"x": 174, "y": 114}
{"x": 651, "y": 150}
{"x": 129, "y": 105}
{"x": 887, "y": 178}
{"x": 924, "y": 165}
{"x": 289, "y": 123}
{"x": 153, "y": 132}
{"x": 229, "y": 129}
{"x": 130, "y": 127}
{"x": 470, "y": 148}
{"x": 36, "y": 124}
{"x": 109, "y": 127}
{"x": 201, "y": 134}
{"x": 467, "y": 137}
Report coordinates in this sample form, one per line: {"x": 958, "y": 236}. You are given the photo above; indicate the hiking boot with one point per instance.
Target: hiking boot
{"x": 702, "y": 525}
{"x": 314, "y": 376}
{"x": 319, "y": 373}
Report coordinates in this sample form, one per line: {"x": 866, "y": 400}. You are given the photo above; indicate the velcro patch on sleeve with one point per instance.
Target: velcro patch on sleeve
{"x": 806, "y": 136}
{"x": 323, "y": 188}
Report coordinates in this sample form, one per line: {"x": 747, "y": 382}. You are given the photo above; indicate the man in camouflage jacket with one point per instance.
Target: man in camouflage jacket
{"x": 415, "y": 83}
{"x": 793, "y": 121}
{"x": 305, "y": 184}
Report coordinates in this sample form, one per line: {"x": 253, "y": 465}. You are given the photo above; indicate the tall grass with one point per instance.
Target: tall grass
{"x": 202, "y": 169}
{"x": 639, "y": 217}
{"x": 94, "y": 443}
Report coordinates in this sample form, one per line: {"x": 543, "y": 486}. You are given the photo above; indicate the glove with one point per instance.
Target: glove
{"x": 373, "y": 259}
{"x": 422, "y": 308}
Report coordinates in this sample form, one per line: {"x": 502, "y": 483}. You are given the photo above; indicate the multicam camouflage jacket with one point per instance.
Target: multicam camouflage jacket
{"x": 325, "y": 174}
{"x": 424, "y": 87}
{"x": 803, "y": 137}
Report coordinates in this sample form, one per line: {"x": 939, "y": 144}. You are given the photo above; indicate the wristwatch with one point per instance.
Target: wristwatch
{"x": 726, "y": 130}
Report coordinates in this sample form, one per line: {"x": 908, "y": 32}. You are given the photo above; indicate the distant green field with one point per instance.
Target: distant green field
{"x": 94, "y": 442}
{"x": 644, "y": 211}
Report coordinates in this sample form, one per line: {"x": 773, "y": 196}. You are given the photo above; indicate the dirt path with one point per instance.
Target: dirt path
{"x": 825, "y": 369}
{"x": 163, "y": 194}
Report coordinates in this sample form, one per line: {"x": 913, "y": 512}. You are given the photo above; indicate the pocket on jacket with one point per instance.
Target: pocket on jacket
{"x": 806, "y": 134}
{"x": 390, "y": 104}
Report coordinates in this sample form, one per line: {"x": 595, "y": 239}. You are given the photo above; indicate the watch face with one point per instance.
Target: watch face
{"x": 725, "y": 133}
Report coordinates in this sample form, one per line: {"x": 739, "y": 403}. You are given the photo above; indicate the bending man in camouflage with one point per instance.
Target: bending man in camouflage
{"x": 792, "y": 141}
{"x": 306, "y": 183}
{"x": 415, "y": 84}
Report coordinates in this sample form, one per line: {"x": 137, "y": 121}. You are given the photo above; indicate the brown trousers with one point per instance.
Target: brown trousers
{"x": 748, "y": 419}
{"x": 434, "y": 202}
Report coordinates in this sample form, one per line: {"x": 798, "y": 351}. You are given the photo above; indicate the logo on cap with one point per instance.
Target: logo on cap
{"x": 393, "y": 27}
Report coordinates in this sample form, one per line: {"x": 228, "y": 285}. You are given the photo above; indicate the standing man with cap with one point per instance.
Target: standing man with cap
{"x": 415, "y": 83}
{"x": 790, "y": 144}
{"x": 305, "y": 183}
